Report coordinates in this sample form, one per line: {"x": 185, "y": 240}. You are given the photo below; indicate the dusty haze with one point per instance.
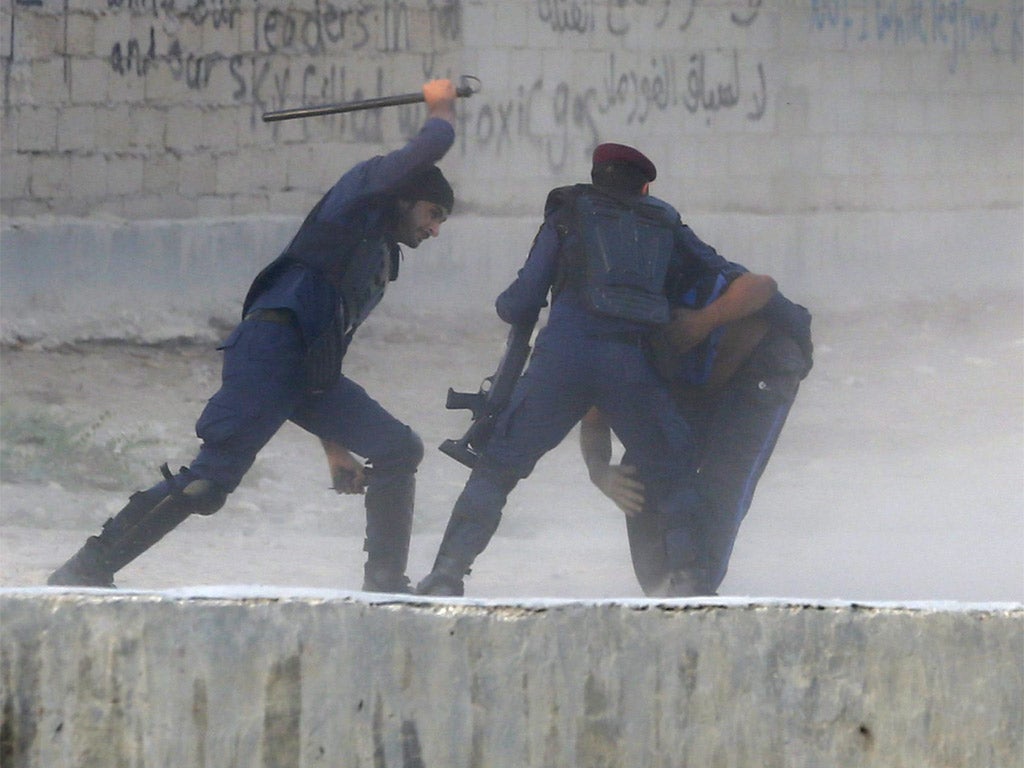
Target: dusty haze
{"x": 898, "y": 476}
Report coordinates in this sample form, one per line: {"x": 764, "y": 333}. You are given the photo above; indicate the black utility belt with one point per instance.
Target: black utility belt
{"x": 279, "y": 316}
{"x": 623, "y": 337}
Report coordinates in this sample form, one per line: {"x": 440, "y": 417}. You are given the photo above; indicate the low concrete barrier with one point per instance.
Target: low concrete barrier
{"x": 217, "y": 678}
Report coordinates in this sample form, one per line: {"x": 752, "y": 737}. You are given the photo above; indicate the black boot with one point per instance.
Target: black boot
{"x": 474, "y": 520}
{"x": 445, "y": 580}
{"x": 389, "y": 509}
{"x": 384, "y": 577}
{"x": 686, "y": 564}
{"x": 95, "y": 564}
{"x": 87, "y": 568}
{"x": 147, "y": 518}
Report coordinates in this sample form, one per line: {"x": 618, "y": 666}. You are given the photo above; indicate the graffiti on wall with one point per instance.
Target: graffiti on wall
{"x": 623, "y": 96}
{"x": 679, "y": 80}
{"x": 295, "y": 56}
{"x": 619, "y": 17}
{"x": 958, "y": 27}
{"x": 652, "y": 59}
{"x": 279, "y": 35}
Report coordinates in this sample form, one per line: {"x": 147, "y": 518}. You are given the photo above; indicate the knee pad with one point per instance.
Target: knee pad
{"x": 204, "y": 497}
{"x": 199, "y": 496}
{"x": 404, "y": 459}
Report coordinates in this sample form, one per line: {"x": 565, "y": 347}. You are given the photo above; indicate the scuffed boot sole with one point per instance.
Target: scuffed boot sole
{"x": 440, "y": 585}
{"x": 70, "y": 576}
{"x": 86, "y": 568}
{"x": 396, "y": 587}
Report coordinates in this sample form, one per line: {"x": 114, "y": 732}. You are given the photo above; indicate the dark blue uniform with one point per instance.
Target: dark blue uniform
{"x": 581, "y": 359}
{"x": 266, "y": 374}
{"x": 266, "y": 379}
{"x": 283, "y": 363}
{"x": 735, "y": 427}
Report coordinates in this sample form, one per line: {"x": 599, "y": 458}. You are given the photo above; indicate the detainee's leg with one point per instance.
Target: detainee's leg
{"x": 744, "y": 426}
{"x": 647, "y": 552}
{"x": 665, "y": 541}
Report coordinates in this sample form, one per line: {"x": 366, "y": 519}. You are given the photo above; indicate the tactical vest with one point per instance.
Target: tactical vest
{"x": 356, "y": 262}
{"x": 623, "y": 247}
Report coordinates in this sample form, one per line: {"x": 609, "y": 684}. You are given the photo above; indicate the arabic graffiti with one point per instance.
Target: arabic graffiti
{"x": 622, "y": 17}
{"x": 701, "y": 84}
{"x": 292, "y": 57}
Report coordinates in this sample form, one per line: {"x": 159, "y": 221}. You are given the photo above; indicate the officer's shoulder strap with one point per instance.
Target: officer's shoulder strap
{"x": 665, "y": 211}
{"x": 562, "y": 199}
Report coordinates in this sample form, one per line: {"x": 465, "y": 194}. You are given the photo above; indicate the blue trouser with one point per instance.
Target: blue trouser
{"x": 736, "y": 430}
{"x": 568, "y": 374}
{"x": 263, "y": 385}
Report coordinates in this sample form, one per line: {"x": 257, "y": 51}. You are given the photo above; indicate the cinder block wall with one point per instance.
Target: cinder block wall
{"x": 297, "y": 680}
{"x": 854, "y": 149}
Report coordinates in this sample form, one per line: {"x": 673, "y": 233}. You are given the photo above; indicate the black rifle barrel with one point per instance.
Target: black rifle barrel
{"x": 468, "y": 85}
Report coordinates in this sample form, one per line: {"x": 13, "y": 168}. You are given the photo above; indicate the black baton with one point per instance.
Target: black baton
{"x": 468, "y": 85}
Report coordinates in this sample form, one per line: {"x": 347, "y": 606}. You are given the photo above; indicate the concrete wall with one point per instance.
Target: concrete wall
{"x": 858, "y": 150}
{"x": 334, "y": 679}
{"x": 145, "y": 109}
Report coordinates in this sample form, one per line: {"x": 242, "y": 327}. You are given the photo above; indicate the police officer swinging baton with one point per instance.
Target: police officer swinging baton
{"x": 468, "y": 85}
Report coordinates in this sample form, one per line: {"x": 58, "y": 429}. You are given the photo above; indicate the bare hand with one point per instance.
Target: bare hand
{"x": 349, "y": 481}
{"x": 348, "y": 475}
{"x": 621, "y": 484}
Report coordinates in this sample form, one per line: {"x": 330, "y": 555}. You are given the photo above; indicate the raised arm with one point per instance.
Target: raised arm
{"x": 385, "y": 174}
{"x": 440, "y": 98}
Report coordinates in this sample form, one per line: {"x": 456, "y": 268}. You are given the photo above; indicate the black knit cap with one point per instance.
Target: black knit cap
{"x": 429, "y": 185}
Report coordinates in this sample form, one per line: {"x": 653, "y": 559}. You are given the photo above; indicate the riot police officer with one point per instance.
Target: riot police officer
{"x": 283, "y": 362}
{"x": 607, "y": 253}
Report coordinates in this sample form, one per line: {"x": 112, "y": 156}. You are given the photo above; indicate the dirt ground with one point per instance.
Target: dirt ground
{"x": 898, "y": 477}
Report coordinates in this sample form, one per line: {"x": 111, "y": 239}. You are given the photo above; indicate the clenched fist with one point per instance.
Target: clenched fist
{"x": 348, "y": 475}
{"x": 440, "y": 98}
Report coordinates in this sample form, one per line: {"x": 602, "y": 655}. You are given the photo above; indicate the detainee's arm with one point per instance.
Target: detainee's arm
{"x": 618, "y": 482}
{"x": 744, "y": 296}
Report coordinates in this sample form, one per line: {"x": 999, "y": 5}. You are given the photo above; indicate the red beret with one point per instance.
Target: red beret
{"x": 620, "y": 153}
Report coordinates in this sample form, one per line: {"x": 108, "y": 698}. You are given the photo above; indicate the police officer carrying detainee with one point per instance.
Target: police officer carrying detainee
{"x": 609, "y": 254}
{"x": 283, "y": 362}
{"x": 734, "y": 382}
